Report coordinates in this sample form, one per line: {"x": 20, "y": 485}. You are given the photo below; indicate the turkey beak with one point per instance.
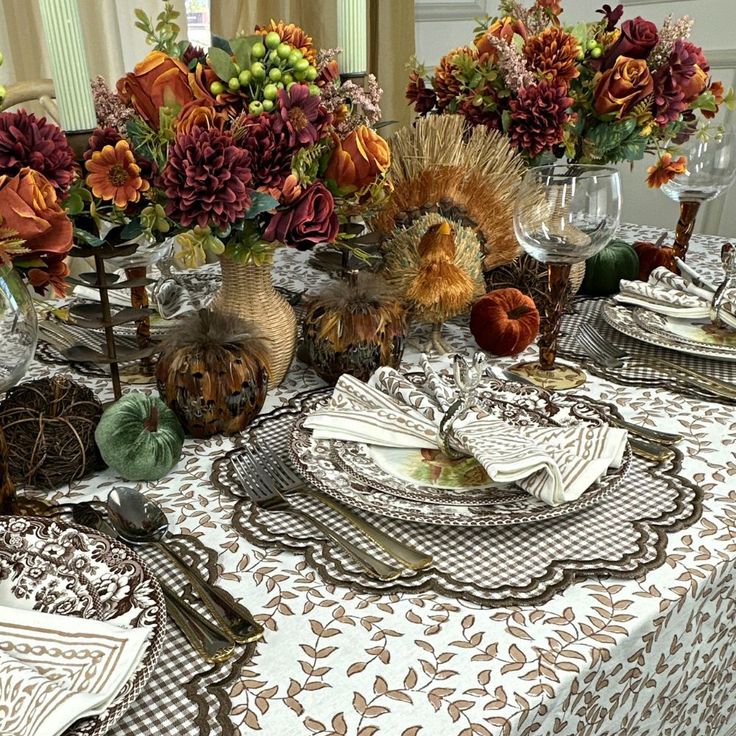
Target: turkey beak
{"x": 445, "y": 228}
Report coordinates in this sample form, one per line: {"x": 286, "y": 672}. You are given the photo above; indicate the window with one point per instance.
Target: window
{"x": 198, "y": 22}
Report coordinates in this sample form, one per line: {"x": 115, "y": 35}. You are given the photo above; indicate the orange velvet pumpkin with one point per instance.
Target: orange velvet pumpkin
{"x": 504, "y": 322}
{"x": 653, "y": 255}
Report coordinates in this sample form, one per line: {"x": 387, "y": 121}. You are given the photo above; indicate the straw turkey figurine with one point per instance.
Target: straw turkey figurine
{"x": 441, "y": 172}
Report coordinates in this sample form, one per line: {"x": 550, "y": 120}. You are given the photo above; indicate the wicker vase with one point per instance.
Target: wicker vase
{"x": 248, "y": 292}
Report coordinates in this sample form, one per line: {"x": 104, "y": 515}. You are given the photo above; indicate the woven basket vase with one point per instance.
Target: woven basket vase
{"x": 248, "y": 292}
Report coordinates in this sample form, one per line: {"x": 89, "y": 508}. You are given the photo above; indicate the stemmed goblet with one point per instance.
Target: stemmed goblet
{"x": 711, "y": 170}
{"x": 564, "y": 214}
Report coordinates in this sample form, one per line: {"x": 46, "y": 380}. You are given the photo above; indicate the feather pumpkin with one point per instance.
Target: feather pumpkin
{"x": 213, "y": 373}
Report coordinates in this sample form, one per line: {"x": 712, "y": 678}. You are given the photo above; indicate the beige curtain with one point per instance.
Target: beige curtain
{"x": 317, "y": 17}
{"x": 112, "y": 42}
{"x": 390, "y": 42}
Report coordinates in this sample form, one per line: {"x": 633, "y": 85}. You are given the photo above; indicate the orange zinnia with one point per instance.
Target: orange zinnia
{"x": 114, "y": 175}
{"x": 665, "y": 170}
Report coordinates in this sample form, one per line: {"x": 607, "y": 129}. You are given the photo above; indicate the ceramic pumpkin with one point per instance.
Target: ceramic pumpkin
{"x": 653, "y": 255}
{"x": 139, "y": 437}
{"x": 504, "y": 322}
{"x": 213, "y": 372}
{"x": 603, "y": 272}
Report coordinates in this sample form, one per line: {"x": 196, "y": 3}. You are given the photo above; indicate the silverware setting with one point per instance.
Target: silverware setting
{"x": 650, "y": 439}
{"x": 274, "y": 481}
{"x": 140, "y": 521}
{"x": 608, "y": 356}
{"x": 205, "y": 638}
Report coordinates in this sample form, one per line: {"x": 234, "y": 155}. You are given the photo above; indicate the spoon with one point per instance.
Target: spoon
{"x": 206, "y": 639}
{"x": 141, "y": 521}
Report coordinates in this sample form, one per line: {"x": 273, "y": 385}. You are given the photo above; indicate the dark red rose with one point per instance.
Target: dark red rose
{"x": 309, "y": 220}
{"x": 638, "y": 38}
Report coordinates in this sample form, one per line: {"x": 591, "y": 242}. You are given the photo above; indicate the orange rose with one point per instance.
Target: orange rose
{"x": 157, "y": 81}
{"x": 199, "y": 112}
{"x": 358, "y": 160}
{"x": 503, "y": 28}
{"x": 695, "y": 85}
{"x": 621, "y": 87}
{"x": 29, "y": 207}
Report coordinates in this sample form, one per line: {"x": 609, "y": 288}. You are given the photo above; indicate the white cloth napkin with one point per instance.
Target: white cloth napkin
{"x": 555, "y": 464}
{"x": 55, "y": 669}
{"x": 669, "y": 294}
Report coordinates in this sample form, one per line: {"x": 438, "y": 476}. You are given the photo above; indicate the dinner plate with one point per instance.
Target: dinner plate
{"x": 428, "y": 487}
{"x": 621, "y": 318}
{"x": 698, "y": 332}
{"x": 59, "y": 568}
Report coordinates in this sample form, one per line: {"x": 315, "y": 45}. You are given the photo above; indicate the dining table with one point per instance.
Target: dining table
{"x": 630, "y": 635}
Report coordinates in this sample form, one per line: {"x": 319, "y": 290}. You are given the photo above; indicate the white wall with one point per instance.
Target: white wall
{"x": 442, "y": 25}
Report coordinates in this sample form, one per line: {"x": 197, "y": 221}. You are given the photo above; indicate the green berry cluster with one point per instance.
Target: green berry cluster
{"x": 272, "y": 65}
{"x": 594, "y": 49}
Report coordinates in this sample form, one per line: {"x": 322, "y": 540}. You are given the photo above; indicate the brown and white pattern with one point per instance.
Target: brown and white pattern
{"x": 606, "y": 656}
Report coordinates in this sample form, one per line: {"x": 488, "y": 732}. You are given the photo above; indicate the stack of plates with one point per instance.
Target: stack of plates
{"x": 684, "y": 335}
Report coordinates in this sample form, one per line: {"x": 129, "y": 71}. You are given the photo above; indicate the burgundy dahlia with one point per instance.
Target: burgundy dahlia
{"x": 669, "y": 97}
{"x": 193, "y": 53}
{"x": 308, "y": 221}
{"x": 207, "y": 179}
{"x": 26, "y": 140}
{"x": 266, "y": 139}
{"x": 538, "y": 117}
{"x": 100, "y": 138}
{"x": 305, "y": 117}
{"x": 479, "y": 114}
{"x": 422, "y": 97}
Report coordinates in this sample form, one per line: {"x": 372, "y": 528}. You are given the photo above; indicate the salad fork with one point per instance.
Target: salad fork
{"x": 265, "y": 495}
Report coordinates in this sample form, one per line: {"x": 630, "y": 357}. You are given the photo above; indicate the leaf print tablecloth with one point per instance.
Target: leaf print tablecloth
{"x": 605, "y": 657}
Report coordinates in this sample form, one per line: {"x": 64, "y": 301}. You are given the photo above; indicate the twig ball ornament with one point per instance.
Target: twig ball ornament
{"x": 49, "y": 429}
{"x": 213, "y": 372}
{"x": 354, "y": 326}
{"x": 504, "y": 322}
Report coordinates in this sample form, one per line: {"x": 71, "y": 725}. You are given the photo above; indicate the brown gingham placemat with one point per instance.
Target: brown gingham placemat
{"x": 588, "y": 311}
{"x": 498, "y": 566}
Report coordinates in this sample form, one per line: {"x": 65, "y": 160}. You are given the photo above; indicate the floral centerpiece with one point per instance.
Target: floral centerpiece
{"x": 254, "y": 146}
{"x": 599, "y": 92}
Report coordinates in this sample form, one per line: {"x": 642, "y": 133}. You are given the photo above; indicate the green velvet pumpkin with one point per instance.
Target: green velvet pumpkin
{"x": 603, "y": 271}
{"x": 139, "y": 437}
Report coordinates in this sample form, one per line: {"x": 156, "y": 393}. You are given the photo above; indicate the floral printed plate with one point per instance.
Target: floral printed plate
{"x": 697, "y": 332}
{"x": 622, "y": 318}
{"x": 59, "y": 568}
{"x": 426, "y": 486}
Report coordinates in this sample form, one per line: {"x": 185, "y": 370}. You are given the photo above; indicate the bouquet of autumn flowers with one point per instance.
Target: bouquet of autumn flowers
{"x": 599, "y": 92}
{"x": 252, "y": 141}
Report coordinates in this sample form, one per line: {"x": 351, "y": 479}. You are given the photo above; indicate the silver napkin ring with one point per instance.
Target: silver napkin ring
{"x": 445, "y": 429}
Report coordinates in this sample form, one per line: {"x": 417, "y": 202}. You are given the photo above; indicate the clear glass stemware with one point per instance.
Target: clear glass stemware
{"x": 565, "y": 213}
{"x": 711, "y": 170}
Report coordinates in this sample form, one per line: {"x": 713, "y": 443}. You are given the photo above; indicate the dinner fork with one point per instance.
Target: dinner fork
{"x": 264, "y": 494}
{"x": 288, "y": 482}
{"x": 604, "y": 353}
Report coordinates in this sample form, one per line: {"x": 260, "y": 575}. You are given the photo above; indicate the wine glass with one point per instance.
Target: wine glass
{"x": 711, "y": 170}
{"x": 564, "y": 214}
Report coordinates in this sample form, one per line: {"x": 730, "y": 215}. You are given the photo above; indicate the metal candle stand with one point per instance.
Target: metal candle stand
{"x": 96, "y": 316}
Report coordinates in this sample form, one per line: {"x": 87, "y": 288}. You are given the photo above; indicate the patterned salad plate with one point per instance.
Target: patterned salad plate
{"x": 425, "y": 486}
{"x": 58, "y": 568}
{"x": 693, "y": 337}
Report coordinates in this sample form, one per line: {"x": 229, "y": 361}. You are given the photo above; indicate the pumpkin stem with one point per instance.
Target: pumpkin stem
{"x": 519, "y": 311}
{"x": 151, "y": 424}
{"x": 661, "y": 239}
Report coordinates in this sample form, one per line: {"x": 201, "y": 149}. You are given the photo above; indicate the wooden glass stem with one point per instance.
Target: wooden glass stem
{"x": 685, "y": 227}
{"x": 558, "y": 283}
{"x": 7, "y": 489}
{"x": 139, "y": 300}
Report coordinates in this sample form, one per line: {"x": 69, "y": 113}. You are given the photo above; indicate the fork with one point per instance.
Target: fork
{"x": 288, "y": 482}
{"x": 266, "y": 496}
{"x": 607, "y": 355}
